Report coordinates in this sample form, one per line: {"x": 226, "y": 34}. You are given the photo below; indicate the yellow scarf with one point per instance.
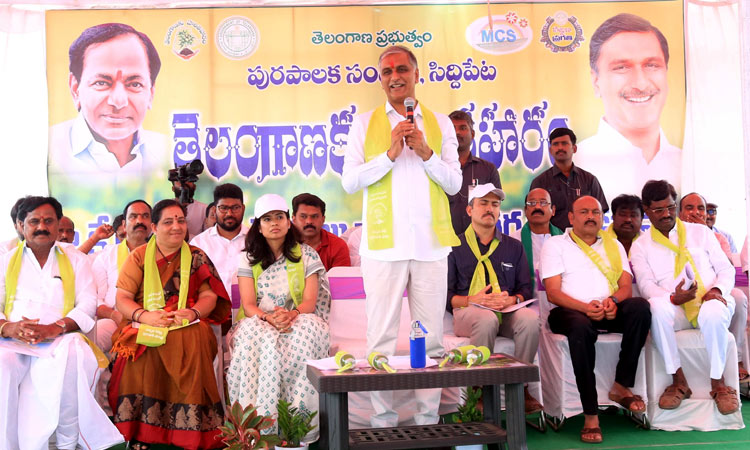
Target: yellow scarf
{"x": 682, "y": 257}
{"x": 295, "y": 274}
{"x": 153, "y": 291}
{"x": 611, "y": 271}
{"x": 68, "y": 277}
{"x": 122, "y": 253}
{"x": 380, "y": 194}
{"x": 478, "y": 281}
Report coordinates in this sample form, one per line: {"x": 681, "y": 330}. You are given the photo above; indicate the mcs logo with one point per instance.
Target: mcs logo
{"x": 507, "y": 33}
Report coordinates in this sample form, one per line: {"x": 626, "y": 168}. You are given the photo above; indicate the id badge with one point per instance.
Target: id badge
{"x": 151, "y": 336}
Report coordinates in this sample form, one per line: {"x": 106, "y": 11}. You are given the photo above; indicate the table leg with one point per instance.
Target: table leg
{"x": 515, "y": 416}
{"x": 492, "y": 411}
{"x": 334, "y": 421}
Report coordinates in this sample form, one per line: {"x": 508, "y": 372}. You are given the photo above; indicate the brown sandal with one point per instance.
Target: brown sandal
{"x": 627, "y": 402}
{"x": 673, "y": 396}
{"x": 596, "y": 431}
{"x": 743, "y": 375}
{"x": 726, "y": 400}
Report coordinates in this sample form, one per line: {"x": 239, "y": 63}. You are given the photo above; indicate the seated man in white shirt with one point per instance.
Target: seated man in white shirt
{"x": 587, "y": 277}
{"x": 694, "y": 209}
{"x": 11, "y": 244}
{"x": 46, "y": 294}
{"x": 224, "y": 241}
{"x": 687, "y": 279}
{"x": 106, "y": 269}
{"x": 537, "y": 229}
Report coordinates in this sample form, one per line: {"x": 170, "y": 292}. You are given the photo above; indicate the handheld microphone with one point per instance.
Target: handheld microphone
{"x": 410, "y": 103}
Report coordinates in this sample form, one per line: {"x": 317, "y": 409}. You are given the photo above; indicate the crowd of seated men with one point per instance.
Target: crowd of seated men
{"x": 152, "y": 277}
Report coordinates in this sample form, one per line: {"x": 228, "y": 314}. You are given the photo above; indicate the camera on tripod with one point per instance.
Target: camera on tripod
{"x": 185, "y": 174}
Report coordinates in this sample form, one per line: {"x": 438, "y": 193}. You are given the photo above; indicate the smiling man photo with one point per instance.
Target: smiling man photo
{"x": 628, "y": 59}
{"x": 113, "y": 69}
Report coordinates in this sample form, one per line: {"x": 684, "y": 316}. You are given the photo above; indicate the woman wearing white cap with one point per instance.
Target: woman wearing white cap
{"x": 285, "y": 305}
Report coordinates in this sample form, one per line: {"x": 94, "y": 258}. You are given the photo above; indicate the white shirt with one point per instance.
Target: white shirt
{"x": 105, "y": 271}
{"x": 744, "y": 259}
{"x": 537, "y": 242}
{"x": 353, "y": 237}
{"x": 619, "y": 165}
{"x": 581, "y": 279}
{"x": 39, "y": 293}
{"x": 412, "y": 215}
{"x": 8, "y": 245}
{"x": 653, "y": 263}
{"x": 222, "y": 252}
{"x": 74, "y": 151}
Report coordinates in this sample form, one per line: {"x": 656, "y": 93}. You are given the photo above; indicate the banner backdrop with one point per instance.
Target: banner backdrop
{"x": 264, "y": 97}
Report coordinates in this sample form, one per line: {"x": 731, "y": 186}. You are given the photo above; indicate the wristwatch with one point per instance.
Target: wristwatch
{"x": 518, "y": 299}
{"x": 614, "y": 299}
{"x": 61, "y": 323}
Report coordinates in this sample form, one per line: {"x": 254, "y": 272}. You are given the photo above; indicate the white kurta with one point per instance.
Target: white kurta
{"x": 653, "y": 265}
{"x": 42, "y": 395}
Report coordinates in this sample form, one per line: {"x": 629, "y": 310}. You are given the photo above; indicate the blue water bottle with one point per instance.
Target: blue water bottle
{"x": 417, "y": 351}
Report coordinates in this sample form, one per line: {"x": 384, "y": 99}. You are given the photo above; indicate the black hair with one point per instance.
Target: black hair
{"x": 15, "y": 208}
{"x": 117, "y": 222}
{"x": 227, "y": 190}
{"x": 626, "y": 201}
{"x": 562, "y": 131}
{"x": 258, "y": 250}
{"x": 33, "y": 202}
{"x": 105, "y": 32}
{"x": 462, "y": 115}
{"x": 161, "y": 205}
{"x": 623, "y": 23}
{"x": 309, "y": 200}
{"x": 693, "y": 193}
{"x": 656, "y": 190}
{"x": 208, "y": 209}
{"x": 125, "y": 210}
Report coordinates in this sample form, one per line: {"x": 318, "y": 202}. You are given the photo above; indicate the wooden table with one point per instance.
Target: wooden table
{"x": 499, "y": 370}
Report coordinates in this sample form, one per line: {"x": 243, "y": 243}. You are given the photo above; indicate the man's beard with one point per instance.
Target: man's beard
{"x": 224, "y": 227}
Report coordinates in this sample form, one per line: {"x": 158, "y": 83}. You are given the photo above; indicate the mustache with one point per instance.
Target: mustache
{"x": 635, "y": 92}
{"x": 41, "y": 233}
{"x": 140, "y": 225}
{"x": 489, "y": 214}
{"x": 592, "y": 222}
{"x": 311, "y": 227}
{"x": 537, "y": 211}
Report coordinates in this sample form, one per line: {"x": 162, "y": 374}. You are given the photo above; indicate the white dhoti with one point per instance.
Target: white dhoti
{"x": 713, "y": 321}
{"x": 738, "y": 325}
{"x": 47, "y": 395}
{"x": 105, "y": 328}
{"x": 426, "y": 285}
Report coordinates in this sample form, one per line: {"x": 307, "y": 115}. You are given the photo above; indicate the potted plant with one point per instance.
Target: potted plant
{"x": 242, "y": 429}
{"x": 294, "y": 425}
{"x": 469, "y": 412}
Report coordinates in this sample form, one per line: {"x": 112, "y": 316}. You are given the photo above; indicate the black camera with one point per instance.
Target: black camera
{"x": 186, "y": 173}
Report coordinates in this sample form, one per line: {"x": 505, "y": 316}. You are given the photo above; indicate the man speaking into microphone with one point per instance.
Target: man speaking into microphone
{"x": 405, "y": 167}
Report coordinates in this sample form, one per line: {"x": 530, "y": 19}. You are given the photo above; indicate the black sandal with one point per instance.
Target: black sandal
{"x": 138, "y": 445}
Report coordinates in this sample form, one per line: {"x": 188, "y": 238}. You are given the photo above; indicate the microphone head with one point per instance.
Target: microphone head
{"x": 410, "y": 102}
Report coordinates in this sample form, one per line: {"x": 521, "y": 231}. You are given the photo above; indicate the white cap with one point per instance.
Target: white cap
{"x": 484, "y": 189}
{"x": 270, "y": 202}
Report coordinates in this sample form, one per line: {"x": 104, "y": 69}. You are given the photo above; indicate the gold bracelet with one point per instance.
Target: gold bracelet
{"x": 3, "y": 326}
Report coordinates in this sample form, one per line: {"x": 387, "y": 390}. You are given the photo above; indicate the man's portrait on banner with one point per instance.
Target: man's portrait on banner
{"x": 629, "y": 59}
{"x": 113, "y": 70}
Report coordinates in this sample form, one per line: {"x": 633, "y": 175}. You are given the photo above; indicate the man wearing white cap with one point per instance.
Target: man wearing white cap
{"x": 487, "y": 272}
{"x": 404, "y": 157}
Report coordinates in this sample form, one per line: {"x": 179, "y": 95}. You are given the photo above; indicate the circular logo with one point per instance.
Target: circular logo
{"x": 562, "y": 33}
{"x": 237, "y": 37}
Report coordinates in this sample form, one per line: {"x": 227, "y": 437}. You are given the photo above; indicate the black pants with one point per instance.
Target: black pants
{"x": 633, "y": 320}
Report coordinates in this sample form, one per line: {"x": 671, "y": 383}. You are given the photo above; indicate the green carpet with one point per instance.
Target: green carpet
{"x": 621, "y": 433}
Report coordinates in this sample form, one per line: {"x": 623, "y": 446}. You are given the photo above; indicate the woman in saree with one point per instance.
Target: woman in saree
{"x": 163, "y": 388}
{"x": 285, "y": 301}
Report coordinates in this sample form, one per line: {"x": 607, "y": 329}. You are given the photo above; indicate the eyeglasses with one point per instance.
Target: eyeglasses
{"x": 541, "y": 203}
{"x": 671, "y": 208}
{"x": 225, "y": 208}
{"x": 711, "y": 211}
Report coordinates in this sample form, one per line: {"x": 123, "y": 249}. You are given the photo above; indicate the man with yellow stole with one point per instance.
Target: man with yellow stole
{"x": 687, "y": 279}
{"x": 406, "y": 168}
{"x": 587, "y": 278}
{"x": 46, "y": 295}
